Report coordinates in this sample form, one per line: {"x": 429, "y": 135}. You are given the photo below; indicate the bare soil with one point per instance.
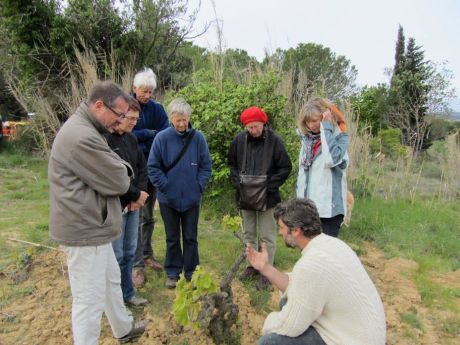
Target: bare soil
{"x": 41, "y": 315}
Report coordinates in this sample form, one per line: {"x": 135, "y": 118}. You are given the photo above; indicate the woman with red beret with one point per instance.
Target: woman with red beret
{"x": 258, "y": 153}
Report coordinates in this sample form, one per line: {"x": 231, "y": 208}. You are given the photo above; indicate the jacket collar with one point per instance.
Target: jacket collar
{"x": 84, "y": 112}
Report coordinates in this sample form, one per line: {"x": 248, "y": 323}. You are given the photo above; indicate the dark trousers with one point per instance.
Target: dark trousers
{"x": 331, "y": 226}
{"x": 177, "y": 225}
{"x": 144, "y": 248}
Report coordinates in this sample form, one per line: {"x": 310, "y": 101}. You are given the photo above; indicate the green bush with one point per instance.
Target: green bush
{"x": 216, "y": 113}
{"x": 388, "y": 141}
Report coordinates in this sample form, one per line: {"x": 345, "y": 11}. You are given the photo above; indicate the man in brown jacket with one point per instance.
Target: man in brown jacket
{"x": 86, "y": 179}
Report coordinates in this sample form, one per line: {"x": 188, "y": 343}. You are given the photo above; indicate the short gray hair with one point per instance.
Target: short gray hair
{"x": 299, "y": 213}
{"x": 145, "y": 78}
{"x": 108, "y": 92}
{"x": 179, "y": 106}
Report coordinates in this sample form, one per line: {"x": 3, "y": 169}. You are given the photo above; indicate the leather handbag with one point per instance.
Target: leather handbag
{"x": 253, "y": 188}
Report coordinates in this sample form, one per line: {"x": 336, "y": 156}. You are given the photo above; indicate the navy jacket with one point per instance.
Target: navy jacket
{"x": 152, "y": 119}
{"x": 182, "y": 186}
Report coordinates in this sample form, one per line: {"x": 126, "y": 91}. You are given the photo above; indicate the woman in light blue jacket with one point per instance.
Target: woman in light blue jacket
{"x": 323, "y": 161}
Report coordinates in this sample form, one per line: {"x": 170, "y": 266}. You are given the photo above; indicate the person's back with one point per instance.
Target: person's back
{"x": 352, "y": 312}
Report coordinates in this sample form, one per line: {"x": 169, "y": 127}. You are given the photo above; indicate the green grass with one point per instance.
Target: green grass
{"x": 425, "y": 231}
{"x": 411, "y": 318}
{"x": 416, "y": 230}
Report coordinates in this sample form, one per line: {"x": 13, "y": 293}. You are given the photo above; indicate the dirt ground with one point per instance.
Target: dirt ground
{"x": 42, "y": 316}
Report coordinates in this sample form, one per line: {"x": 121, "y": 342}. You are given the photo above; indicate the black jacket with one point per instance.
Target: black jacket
{"x": 279, "y": 166}
{"x": 126, "y": 147}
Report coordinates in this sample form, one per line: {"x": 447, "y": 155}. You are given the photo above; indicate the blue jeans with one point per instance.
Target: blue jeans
{"x": 177, "y": 225}
{"x": 124, "y": 248}
{"x": 309, "y": 337}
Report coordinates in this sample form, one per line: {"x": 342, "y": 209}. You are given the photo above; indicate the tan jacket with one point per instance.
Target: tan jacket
{"x": 86, "y": 179}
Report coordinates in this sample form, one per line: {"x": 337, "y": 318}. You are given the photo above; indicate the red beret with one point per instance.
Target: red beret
{"x": 252, "y": 114}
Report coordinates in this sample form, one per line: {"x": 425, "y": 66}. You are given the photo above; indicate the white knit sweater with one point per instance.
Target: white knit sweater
{"x": 330, "y": 290}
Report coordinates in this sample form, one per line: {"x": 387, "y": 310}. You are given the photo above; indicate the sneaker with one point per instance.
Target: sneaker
{"x": 136, "y": 331}
{"x": 138, "y": 277}
{"x": 152, "y": 263}
{"x": 171, "y": 282}
{"x": 136, "y": 301}
{"x": 248, "y": 273}
{"x": 264, "y": 284}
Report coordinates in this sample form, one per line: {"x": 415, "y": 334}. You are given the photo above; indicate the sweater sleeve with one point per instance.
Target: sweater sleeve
{"x": 305, "y": 301}
{"x": 204, "y": 167}
{"x": 154, "y": 165}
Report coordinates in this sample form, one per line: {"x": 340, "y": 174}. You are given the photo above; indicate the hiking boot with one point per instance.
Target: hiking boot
{"x": 138, "y": 277}
{"x": 136, "y": 331}
{"x": 136, "y": 301}
{"x": 264, "y": 284}
{"x": 171, "y": 282}
{"x": 248, "y": 273}
{"x": 152, "y": 263}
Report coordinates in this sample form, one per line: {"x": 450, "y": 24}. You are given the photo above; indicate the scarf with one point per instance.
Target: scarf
{"x": 309, "y": 141}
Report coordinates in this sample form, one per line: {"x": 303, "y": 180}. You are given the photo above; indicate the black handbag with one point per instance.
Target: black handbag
{"x": 253, "y": 188}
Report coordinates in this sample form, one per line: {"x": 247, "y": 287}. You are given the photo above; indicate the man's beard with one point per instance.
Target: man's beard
{"x": 289, "y": 242}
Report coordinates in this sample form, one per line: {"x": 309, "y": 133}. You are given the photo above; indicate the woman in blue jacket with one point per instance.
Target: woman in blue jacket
{"x": 323, "y": 161}
{"x": 179, "y": 166}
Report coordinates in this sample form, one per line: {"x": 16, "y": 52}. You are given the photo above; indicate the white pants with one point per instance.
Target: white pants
{"x": 94, "y": 277}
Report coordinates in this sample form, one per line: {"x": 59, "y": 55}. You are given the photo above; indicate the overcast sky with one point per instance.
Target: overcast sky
{"x": 364, "y": 31}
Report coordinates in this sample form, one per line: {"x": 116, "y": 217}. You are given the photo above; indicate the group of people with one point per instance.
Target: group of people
{"x": 119, "y": 153}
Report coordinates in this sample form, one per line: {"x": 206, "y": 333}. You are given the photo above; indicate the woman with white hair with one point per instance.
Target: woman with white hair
{"x": 152, "y": 119}
{"x": 179, "y": 166}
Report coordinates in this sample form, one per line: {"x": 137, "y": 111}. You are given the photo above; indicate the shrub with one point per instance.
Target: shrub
{"x": 216, "y": 113}
{"x": 388, "y": 141}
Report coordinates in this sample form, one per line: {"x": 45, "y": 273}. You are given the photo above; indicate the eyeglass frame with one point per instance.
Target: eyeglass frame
{"x": 121, "y": 116}
{"x": 132, "y": 119}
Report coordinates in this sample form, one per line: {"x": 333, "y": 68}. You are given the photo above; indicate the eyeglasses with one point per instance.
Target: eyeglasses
{"x": 132, "y": 118}
{"x": 120, "y": 115}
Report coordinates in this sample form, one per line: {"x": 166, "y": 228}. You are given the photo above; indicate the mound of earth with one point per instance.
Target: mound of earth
{"x": 40, "y": 313}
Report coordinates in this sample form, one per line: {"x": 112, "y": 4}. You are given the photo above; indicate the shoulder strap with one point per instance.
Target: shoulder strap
{"x": 182, "y": 152}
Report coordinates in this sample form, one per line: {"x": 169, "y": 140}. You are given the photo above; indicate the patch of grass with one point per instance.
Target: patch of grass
{"x": 452, "y": 326}
{"x": 11, "y": 292}
{"x": 413, "y": 229}
{"x": 411, "y": 318}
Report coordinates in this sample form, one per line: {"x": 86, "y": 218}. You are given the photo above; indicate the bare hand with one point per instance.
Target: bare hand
{"x": 256, "y": 259}
{"x": 142, "y": 198}
{"x": 133, "y": 206}
{"x": 327, "y": 115}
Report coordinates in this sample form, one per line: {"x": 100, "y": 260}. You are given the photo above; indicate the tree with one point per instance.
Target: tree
{"x": 410, "y": 87}
{"x": 399, "y": 53}
{"x": 371, "y": 105}
{"x": 316, "y": 69}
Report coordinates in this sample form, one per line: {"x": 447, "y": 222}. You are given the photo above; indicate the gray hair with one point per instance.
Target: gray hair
{"x": 145, "y": 78}
{"x": 299, "y": 213}
{"x": 179, "y": 106}
{"x": 108, "y": 92}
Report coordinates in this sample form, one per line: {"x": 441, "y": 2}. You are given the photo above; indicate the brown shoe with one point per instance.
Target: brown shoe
{"x": 248, "y": 273}
{"x": 152, "y": 263}
{"x": 138, "y": 277}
